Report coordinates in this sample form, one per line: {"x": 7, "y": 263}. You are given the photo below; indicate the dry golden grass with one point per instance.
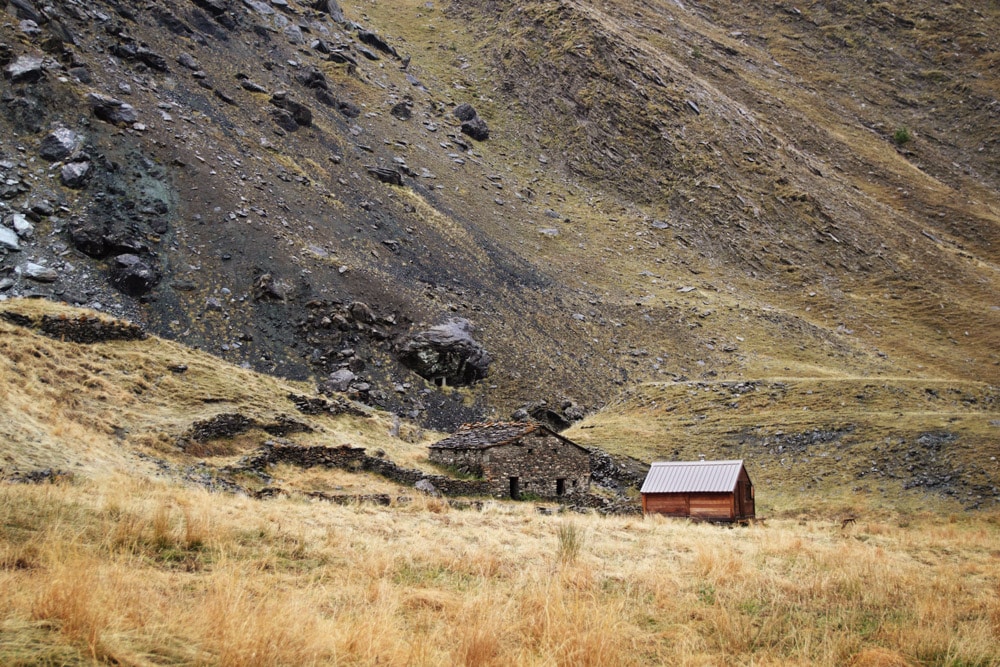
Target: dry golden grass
{"x": 110, "y": 399}
{"x": 117, "y": 566}
{"x": 147, "y": 573}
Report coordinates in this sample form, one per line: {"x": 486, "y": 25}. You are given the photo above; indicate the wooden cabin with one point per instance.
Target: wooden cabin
{"x": 702, "y": 490}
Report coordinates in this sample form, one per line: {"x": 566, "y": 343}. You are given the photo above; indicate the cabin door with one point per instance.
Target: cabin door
{"x": 515, "y": 488}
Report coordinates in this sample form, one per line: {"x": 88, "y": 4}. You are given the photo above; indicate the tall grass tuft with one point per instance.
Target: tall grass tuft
{"x": 570, "y": 543}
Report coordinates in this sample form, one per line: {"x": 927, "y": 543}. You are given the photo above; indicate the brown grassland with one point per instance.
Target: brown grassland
{"x": 130, "y": 571}
{"x": 123, "y": 562}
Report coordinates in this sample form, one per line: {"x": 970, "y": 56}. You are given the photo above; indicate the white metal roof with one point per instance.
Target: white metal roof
{"x": 692, "y": 476}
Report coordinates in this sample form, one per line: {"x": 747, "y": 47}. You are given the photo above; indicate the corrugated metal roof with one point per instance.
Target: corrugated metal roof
{"x": 692, "y": 476}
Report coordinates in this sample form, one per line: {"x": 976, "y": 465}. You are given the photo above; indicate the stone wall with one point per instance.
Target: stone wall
{"x": 78, "y": 328}
{"x": 538, "y": 461}
{"x": 355, "y": 459}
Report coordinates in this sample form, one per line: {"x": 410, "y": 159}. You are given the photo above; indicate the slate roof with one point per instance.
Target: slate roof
{"x": 692, "y": 476}
{"x": 492, "y": 434}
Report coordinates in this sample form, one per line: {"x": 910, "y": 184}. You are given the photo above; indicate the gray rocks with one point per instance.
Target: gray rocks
{"x": 464, "y": 112}
{"x": 339, "y": 380}
{"x": 8, "y": 239}
{"x": 59, "y": 144}
{"x": 111, "y": 110}
{"x": 300, "y": 113}
{"x": 75, "y": 174}
{"x": 26, "y": 69}
{"x": 376, "y": 42}
{"x": 390, "y": 176}
{"x": 476, "y": 128}
{"x": 472, "y": 124}
{"x": 331, "y": 7}
{"x": 40, "y": 273}
{"x": 446, "y": 354}
{"x": 21, "y": 225}
{"x": 132, "y": 275}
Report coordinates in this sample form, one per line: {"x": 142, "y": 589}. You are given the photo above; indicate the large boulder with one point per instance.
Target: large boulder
{"x": 26, "y": 69}
{"x": 472, "y": 124}
{"x": 446, "y": 354}
{"x": 476, "y": 128}
{"x": 59, "y": 144}
{"x": 75, "y": 174}
{"x": 111, "y": 110}
{"x": 9, "y": 239}
{"x": 299, "y": 112}
{"x": 331, "y": 7}
{"x": 465, "y": 112}
{"x": 132, "y": 275}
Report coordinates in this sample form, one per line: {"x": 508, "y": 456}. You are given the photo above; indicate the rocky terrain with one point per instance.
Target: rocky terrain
{"x": 460, "y": 210}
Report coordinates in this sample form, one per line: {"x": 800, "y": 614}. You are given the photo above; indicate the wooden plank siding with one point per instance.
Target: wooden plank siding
{"x": 732, "y": 499}
{"x": 705, "y": 506}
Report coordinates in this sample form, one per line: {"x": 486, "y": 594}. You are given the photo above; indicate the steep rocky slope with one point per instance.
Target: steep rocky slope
{"x": 668, "y": 191}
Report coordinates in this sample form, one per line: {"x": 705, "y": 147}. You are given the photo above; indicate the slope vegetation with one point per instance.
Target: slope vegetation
{"x": 670, "y": 190}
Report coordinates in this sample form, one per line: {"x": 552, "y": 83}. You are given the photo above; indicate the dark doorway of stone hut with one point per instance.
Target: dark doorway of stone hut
{"x": 515, "y": 488}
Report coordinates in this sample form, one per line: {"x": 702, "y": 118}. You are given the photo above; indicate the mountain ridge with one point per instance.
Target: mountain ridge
{"x": 664, "y": 193}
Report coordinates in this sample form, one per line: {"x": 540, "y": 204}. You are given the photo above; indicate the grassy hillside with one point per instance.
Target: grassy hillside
{"x": 134, "y": 572}
{"x": 670, "y": 190}
{"x": 125, "y": 557}
{"x": 812, "y": 442}
{"x": 119, "y": 407}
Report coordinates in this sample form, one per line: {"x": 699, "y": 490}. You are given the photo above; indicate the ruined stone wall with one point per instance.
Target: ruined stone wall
{"x": 78, "y": 329}
{"x": 355, "y": 459}
{"x": 538, "y": 461}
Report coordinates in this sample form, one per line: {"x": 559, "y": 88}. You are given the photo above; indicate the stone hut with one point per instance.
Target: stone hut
{"x": 517, "y": 459}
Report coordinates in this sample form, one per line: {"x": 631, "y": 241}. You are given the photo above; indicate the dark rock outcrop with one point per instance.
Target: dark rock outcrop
{"x": 299, "y": 112}
{"x": 476, "y": 128}
{"x": 133, "y": 275}
{"x": 465, "y": 112}
{"x": 373, "y": 40}
{"x": 75, "y": 174}
{"x": 26, "y": 69}
{"x": 111, "y": 110}
{"x": 59, "y": 144}
{"x": 446, "y": 354}
{"x": 472, "y": 124}
{"x": 78, "y": 329}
